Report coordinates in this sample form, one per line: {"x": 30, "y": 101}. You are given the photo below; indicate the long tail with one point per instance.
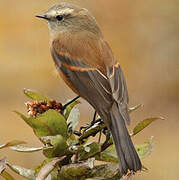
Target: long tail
{"x": 127, "y": 155}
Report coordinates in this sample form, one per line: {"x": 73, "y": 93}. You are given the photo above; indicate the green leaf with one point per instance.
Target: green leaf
{"x": 21, "y": 148}
{"x": 89, "y": 151}
{"x": 143, "y": 124}
{"x": 39, "y": 166}
{"x": 145, "y": 149}
{"x": 36, "y": 96}
{"x": 73, "y": 119}
{"x": 109, "y": 155}
{"x": 7, "y": 176}
{"x": 75, "y": 171}
{"x": 54, "y": 122}
{"x": 27, "y": 173}
{"x": 69, "y": 108}
{"x": 26, "y": 119}
{"x": 49, "y": 123}
{"x": 12, "y": 143}
{"x": 131, "y": 109}
{"x": 58, "y": 146}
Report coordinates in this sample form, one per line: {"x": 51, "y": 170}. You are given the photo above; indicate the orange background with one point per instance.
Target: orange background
{"x": 144, "y": 36}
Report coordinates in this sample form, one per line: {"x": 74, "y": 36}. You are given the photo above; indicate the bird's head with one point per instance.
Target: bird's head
{"x": 66, "y": 17}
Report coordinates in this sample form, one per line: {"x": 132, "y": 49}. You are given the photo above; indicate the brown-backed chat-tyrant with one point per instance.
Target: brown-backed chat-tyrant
{"x": 87, "y": 64}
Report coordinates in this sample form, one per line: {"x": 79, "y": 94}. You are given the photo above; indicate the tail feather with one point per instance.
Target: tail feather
{"x": 127, "y": 155}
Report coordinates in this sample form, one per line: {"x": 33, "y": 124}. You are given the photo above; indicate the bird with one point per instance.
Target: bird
{"x": 87, "y": 64}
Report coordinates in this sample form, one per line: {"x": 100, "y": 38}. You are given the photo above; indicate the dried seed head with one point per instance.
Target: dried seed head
{"x": 35, "y": 108}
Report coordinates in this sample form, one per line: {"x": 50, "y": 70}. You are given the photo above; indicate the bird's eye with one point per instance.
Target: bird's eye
{"x": 59, "y": 18}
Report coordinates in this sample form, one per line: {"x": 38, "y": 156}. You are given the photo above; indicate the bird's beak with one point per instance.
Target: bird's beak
{"x": 43, "y": 16}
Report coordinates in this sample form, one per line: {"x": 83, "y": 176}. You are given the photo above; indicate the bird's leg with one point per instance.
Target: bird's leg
{"x": 94, "y": 118}
{"x": 108, "y": 135}
{"x": 74, "y": 99}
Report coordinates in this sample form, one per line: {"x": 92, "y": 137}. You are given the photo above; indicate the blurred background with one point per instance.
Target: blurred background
{"x": 144, "y": 36}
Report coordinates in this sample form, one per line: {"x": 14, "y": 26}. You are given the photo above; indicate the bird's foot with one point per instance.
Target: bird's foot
{"x": 93, "y": 122}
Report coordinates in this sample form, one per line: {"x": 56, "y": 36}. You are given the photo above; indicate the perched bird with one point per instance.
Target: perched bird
{"x": 87, "y": 64}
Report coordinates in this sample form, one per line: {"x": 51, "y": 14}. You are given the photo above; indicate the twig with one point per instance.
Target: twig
{"x": 45, "y": 170}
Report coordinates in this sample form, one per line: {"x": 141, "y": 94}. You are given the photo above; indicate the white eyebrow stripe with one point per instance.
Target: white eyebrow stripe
{"x": 66, "y": 11}
{"x": 52, "y": 13}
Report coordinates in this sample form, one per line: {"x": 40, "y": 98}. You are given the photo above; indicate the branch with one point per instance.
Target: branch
{"x": 86, "y": 169}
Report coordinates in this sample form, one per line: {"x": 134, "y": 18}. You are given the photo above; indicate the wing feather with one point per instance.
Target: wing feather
{"x": 92, "y": 84}
{"x": 119, "y": 89}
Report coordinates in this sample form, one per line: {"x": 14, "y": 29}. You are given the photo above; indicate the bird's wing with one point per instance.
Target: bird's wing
{"x": 91, "y": 83}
